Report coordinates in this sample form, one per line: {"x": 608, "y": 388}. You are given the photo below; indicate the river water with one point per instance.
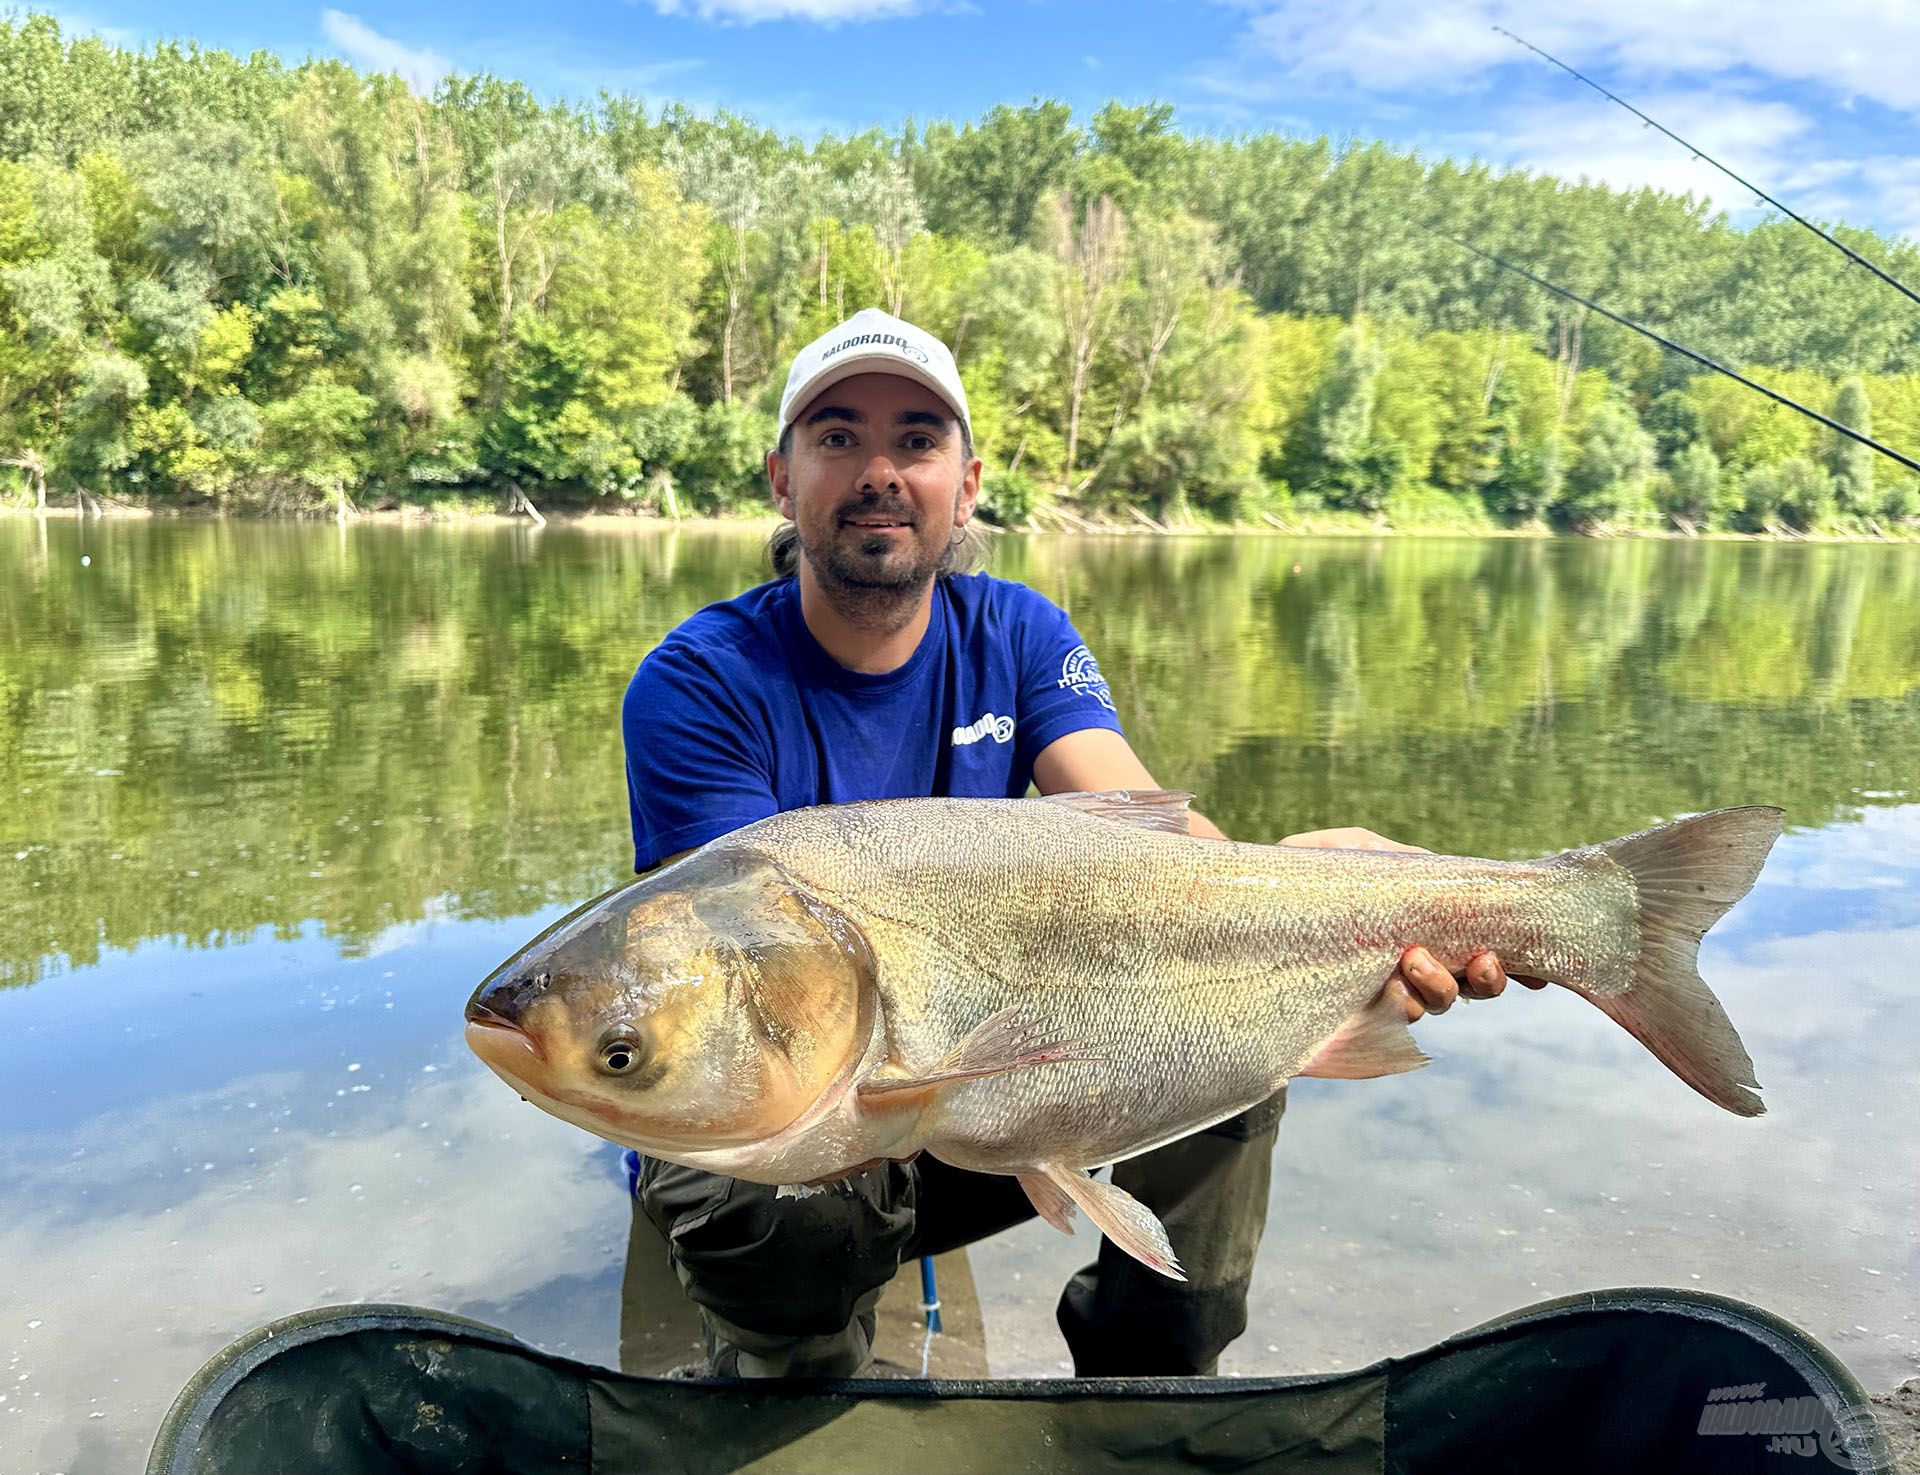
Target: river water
{"x": 273, "y": 798}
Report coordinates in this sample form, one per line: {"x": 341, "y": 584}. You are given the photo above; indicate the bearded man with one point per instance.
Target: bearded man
{"x": 875, "y": 665}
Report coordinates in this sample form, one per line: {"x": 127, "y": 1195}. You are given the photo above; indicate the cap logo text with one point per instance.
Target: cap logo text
{"x": 876, "y": 340}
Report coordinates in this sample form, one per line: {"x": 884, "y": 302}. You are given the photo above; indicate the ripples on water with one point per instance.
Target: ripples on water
{"x": 273, "y": 798}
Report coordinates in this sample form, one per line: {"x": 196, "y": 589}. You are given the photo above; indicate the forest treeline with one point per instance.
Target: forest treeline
{"x": 230, "y": 281}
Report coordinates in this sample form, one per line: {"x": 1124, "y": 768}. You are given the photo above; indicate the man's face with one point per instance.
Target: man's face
{"x": 876, "y": 481}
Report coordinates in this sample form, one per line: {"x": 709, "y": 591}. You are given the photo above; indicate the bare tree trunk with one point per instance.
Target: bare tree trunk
{"x": 736, "y": 276}
{"x": 1169, "y": 291}
{"x": 1569, "y": 336}
{"x": 1093, "y": 260}
{"x": 1496, "y": 366}
{"x": 518, "y": 501}
{"x": 35, "y": 466}
{"x": 661, "y": 480}
{"x": 726, "y": 344}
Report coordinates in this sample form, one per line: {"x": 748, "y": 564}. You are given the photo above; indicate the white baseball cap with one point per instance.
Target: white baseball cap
{"x": 873, "y": 342}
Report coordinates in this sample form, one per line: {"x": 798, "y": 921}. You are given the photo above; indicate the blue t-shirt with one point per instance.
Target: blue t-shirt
{"x": 739, "y": 713}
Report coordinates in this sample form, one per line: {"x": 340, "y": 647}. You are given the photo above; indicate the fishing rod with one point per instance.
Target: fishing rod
{"x": 1699, "y": 153}
{"x": 1682, "y": 349}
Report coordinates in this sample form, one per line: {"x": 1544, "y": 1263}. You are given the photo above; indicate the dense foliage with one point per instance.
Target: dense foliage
{"x": 232, "y": 281}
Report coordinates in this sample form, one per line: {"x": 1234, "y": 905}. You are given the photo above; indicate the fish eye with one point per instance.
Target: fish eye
{"x": 621, "y": 1052}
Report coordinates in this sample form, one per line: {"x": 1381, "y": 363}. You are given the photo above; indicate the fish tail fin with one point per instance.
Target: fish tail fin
{"x": 1686, "y": 876}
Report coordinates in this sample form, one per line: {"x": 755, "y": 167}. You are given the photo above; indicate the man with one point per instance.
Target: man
{"x": 870, "y": 670}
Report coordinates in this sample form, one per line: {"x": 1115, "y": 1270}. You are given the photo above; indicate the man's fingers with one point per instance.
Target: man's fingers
{"x": 1409, "y": 1000}
{"x": 1351, "y": 838}
{"x": 1428, "y": 981}
{"x": 1486, "y": 979}
{"x": 1535, "y": 983}
{"x": 1434, "y": 990}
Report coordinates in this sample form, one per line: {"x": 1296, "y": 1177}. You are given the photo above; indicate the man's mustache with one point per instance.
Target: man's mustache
{"x": 891, "y": 508}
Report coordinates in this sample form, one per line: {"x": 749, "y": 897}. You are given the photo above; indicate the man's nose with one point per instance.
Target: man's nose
{"x": 880, "y": 475}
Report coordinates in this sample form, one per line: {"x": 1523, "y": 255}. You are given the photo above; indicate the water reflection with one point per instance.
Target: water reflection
{"x": 272, "y": 798}
{"x": 200, "y": 1141}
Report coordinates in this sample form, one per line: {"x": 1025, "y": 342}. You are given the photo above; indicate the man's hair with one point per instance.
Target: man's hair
{"x": 965, "y": 555}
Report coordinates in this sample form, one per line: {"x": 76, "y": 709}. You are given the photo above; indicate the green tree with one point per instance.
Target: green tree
{"x": 1849, "y": 463}
{"x": 316, "y": 438}
{"x": 1337, "y": 457}
{"x": 1694, "y": 490}
{"x": 1607, "y": 480}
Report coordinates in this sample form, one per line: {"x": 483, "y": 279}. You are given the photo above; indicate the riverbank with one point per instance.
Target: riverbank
{"x": 1045, "y": 520}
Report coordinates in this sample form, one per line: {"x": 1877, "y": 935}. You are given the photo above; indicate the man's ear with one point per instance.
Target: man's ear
{"x": 969, "y": 494}
{"x": 777, "y": 480}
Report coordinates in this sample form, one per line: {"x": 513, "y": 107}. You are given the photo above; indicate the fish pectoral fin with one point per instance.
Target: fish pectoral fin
{"x": 1049, "y": 1201}
{"x": 1150, "y": 809}
{"x": 1121, "y": 1217}
{"x": 1373, "y": 1042}
{"x": 1009, "y": 1040}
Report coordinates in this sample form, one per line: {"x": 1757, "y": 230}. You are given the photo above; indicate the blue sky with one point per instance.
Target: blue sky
{"x": 1817, "y": 100}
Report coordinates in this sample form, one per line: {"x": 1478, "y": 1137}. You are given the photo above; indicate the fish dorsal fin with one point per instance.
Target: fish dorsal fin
{"x": 1151, "y": 809}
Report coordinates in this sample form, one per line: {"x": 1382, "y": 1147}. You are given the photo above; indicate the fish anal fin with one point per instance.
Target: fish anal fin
{"x": 1048, "y": 1200}
{"x": 1149, "y": 809}
{"x": 1009, "y": 1040}
{"x": 1373, "y": 1042}
{"x": 1120, "y": 1216}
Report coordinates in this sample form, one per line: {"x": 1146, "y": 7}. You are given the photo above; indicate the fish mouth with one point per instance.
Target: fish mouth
{"x": 501, "y": 1043}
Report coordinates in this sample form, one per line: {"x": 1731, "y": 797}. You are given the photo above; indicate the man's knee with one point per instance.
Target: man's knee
{"x": 790, "y": 1267}
{"x": 1255, "y": 1122}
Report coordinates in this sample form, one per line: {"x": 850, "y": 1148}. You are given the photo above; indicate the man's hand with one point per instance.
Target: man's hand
{"x": 1430, "y": 989}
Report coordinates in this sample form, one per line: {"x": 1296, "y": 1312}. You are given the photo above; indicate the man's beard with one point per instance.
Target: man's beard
{"x": 871, "y": 571}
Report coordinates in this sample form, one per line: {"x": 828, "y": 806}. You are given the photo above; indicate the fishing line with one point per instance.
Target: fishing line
{"x": 930, "y": 1309}
{"x": 1680, "y": 348}
{"x": 1700, "y": 153}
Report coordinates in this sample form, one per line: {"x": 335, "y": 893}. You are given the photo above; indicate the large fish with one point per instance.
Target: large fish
{"x": 1040, "y": 986}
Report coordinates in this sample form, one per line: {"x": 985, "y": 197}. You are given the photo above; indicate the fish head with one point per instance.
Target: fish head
{"x": 707, "y": 1006}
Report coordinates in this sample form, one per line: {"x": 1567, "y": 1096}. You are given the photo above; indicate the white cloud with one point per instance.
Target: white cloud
{"x": 1385, "y": 45}
{"x": 74, "y": 24}
{"x": 1714, "y": 71}
{"x": 1572, "y": 140}
{"x": 824, "y": 12}
{"x": 1892, "y": 181}
{"x": 419, "y": 68}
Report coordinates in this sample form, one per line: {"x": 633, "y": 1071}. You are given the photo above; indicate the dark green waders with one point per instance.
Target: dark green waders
{"x": 788, "y": 1286}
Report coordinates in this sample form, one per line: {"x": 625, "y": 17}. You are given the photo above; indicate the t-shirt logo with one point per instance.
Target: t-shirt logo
{"x": 1000, "y": 729}
{"x": 1081, "y": 673}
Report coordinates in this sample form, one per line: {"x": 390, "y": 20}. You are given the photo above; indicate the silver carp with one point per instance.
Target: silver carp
{"x": 1039, "y": 986}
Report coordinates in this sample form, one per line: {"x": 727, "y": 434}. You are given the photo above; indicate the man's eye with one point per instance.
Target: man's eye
{"x": 836, "y": 438}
